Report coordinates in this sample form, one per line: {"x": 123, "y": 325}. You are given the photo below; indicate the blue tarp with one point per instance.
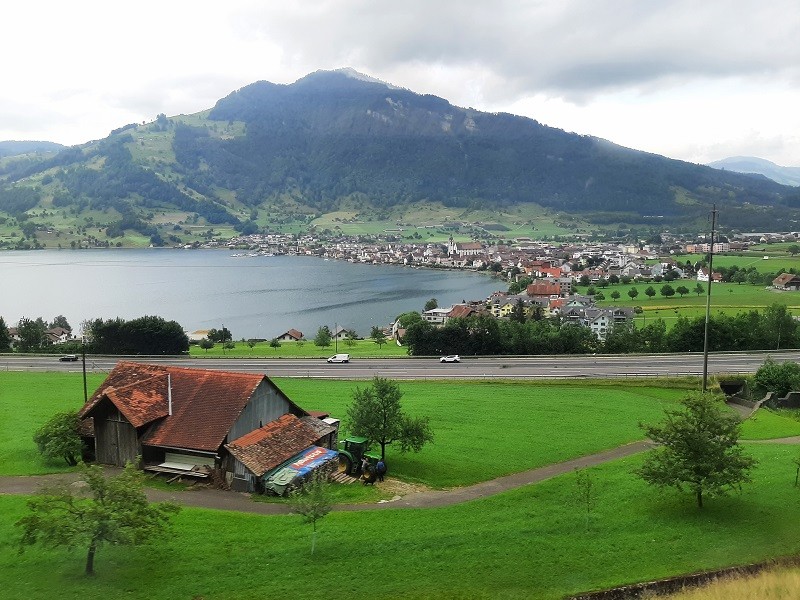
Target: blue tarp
{"x": 300, "y": 465}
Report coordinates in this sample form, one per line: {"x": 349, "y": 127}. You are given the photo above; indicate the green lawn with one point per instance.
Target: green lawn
{"x": 27, "y": 400}
{"x": 527, "y": 543}
{"x": 766, "y": 424}
{"x": 485, "y": 429}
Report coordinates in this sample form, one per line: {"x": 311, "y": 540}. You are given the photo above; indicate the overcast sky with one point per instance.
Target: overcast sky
{"x": 698, "y": 80}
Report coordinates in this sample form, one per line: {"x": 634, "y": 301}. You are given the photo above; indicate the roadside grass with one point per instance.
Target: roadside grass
{"x": 27, "y": 401}
{"x": 307, "y": 349}
{"x": 526, "y": 543}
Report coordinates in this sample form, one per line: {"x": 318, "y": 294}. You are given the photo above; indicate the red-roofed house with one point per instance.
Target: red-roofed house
{"x": 290, "y": 336}
{"x": 177, "y": 419}
{"x": 786, "y": 281}
{"x": 544, "y": 289}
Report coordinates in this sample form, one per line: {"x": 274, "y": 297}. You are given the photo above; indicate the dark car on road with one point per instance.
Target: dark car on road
{"x": 68, "y": 358}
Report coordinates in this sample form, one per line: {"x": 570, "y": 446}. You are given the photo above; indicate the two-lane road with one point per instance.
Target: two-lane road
{"x": 528, "y": 367}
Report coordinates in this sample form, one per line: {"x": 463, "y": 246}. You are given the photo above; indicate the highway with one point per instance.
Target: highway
{"x": 527, "y": 367}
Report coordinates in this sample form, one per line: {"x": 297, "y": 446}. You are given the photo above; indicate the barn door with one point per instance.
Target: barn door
{"x": 121, "y": 443}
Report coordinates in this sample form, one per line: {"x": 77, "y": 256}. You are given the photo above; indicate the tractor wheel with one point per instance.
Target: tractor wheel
{"x": 345, "y": 465}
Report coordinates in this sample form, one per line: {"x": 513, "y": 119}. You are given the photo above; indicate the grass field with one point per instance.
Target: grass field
{"x": 27, "y": 401}
{"x": 483, "y": 430}
{"x": 527, "y": 543}
{"x": 306, "y": 349}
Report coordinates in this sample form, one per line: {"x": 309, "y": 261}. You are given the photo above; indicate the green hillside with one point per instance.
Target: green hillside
{"x": 286, "y": 157}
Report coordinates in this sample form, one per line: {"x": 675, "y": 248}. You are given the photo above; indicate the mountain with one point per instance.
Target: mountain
{"x": 13, "y": 148}
{"x": 269, "y": 155}
{"x": 759, "y": 166}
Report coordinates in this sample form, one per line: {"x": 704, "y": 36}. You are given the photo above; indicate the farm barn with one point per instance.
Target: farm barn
{"x": 180, "y": 420}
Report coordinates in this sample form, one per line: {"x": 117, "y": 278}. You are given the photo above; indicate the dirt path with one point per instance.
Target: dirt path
{"x": 222, "y": 500}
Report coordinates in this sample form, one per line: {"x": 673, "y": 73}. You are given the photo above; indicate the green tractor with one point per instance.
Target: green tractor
{"x": 352, "y": 450}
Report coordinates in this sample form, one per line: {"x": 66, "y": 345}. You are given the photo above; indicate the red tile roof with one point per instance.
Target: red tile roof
{"x": 274, "y": 443}
{"x": 544, "y": 289}
{"x": 142, "y": 402}
{"x": 460, "y": 311}
{"x": 205, "y": 404}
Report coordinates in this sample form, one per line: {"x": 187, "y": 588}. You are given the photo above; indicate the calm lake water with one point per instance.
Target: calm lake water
{"x": 259, "y": 296}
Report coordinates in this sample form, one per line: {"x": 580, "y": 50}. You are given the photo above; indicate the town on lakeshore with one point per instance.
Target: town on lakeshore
{"x": 537, "y": 278}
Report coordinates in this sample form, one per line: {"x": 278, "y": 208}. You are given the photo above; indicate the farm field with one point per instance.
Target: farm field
{"x": 513, "y": 426}
{"x": 527, "y": 543}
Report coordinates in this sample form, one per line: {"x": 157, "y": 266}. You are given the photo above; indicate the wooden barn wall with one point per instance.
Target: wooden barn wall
{"x": 243, "y": 480}
{"x": 267, "y": 404}
{"x": 116, "y": 440}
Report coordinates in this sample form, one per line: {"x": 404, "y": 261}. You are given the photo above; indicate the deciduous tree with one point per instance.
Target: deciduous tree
{"x": 698, "y": 450}
{"x": 5, "y": 337}
{"x": 312, "y": 501}
{"x": 586, "y": 492}
{"x": 60, "y": 321}
{"x": 377, "y": 336}
{"x": 107, "y": 510}
{"x": 377, "y": 415}
{"x": 31, "y": 334}
{"x": 323, "y": 337}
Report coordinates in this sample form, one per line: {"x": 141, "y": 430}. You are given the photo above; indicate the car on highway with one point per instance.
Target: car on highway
{"x": 450, "y": 358}
{"x": 68, "y": 358}
{"x": 339, "y": 358}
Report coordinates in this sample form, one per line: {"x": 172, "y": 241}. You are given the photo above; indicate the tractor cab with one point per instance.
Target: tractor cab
{"x": 351, "y": 451}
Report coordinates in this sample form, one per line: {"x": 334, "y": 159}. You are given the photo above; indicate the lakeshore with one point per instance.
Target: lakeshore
{"x": 253, "y": 296}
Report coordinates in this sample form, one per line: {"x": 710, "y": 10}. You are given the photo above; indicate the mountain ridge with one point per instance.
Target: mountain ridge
{"x": 759, "y": 166}
{"x": 270, "y": 152}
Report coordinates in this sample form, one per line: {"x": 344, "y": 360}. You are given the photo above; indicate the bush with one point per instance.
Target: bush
{"x": 58, "y": 438}
{"x": 778, "y": 378}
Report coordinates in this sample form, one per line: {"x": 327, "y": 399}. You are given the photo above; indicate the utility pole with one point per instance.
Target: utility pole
{"x": 335, "y": 337}
{"x": 708, "y": 296}
{"x": 83, "y": 356}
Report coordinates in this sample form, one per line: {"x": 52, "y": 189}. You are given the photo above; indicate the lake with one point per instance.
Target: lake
{"x": 258, "y": 296}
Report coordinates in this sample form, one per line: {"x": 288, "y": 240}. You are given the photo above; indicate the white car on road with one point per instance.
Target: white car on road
{"x": 339, "y": 358}
{"x": 450, "y": 358}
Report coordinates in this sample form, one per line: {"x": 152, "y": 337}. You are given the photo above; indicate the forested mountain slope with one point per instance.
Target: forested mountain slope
{"x": 334, "y": 136}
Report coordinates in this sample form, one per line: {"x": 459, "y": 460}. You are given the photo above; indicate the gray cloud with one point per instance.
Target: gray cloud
{"x": 568, "y": 48}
